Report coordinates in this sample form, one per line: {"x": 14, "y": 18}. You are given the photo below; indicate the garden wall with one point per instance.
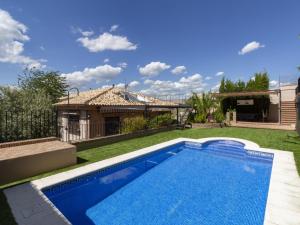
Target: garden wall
{"x": 100, "y": 141}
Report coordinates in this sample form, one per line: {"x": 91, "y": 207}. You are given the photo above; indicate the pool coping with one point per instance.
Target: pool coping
{"x": 30, "y": 206}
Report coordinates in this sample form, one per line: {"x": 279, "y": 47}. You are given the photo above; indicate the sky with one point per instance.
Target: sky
{"x": 157, "y": 47}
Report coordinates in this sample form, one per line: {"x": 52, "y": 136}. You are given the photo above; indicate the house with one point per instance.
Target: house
{"x": 101, "y": 112}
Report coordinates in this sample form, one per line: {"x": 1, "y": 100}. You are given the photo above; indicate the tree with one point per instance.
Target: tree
{"x": 229, "y": 86}
{"x": 222, "y": 85}
{"x": 50, "y": 83}
{"x": 259, "y": 82}
{"x": 203, "y": 105}
{"x": 240, "y": 85}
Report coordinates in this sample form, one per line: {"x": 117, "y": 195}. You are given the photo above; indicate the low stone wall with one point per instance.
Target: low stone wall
{"x": 22, "y": 161}
{"x": 100, "y": 141}
{"x": 27, "y": 142}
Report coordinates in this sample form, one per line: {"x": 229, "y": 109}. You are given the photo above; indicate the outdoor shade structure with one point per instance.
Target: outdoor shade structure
{"x": 103, "y": 112}
{"x": 253, "y": 106}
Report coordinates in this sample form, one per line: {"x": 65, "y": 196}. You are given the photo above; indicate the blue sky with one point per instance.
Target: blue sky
{"x": 98, "y": 43}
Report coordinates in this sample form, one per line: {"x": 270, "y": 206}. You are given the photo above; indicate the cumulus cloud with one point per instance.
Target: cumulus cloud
{"x": 106, "y": 60}
{"x": 107, "y": 41}
{"x": 179, "y": 70}
{"x": 134, "y": 83}
{"x": 208, "y": 78}
{"x": 123, "y": 64}
{"x": 250, "y": 47}
{"x": 153, "y": 68}
{"x": 97, "y": 74}
{"x": 114, "y": 28}
{"x": 221, "y": 73}
{"x": 185, "y": 85}
{"x": 12, "y": 38}
{"x": 76, "y": 30}
{"x": 216, "y": 88}
{"x": 273, "y": 83}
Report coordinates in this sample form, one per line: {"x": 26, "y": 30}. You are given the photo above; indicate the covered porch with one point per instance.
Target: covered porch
{"x": 253, "y": 107}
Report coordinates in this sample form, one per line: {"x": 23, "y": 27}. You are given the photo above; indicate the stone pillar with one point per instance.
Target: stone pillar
{"x": 84, "y": 124}
{"x": 228, "y": 117}
{"x": 234, "y": 116}
{"x": 64, "y": 129}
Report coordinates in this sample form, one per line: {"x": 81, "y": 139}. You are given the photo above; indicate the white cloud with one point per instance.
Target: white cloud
{"x": 179, "y": 70}
{"x": 221, "y": 73}
{"x": 12, "y": 38}
{"x": 76, "y": 30}
{"x": 216, "y": 88}
{"x": 97, "y": 74}
{"x": 250, "y": 47}
{"x": 273, "y": 83}
{"x": 106, "y": 60}
{"x": 153, "y": 68}
{"x": 107, "y": 41}
{"x": 208, "y": 78}
{"x": 184, "y": 85}
{"x": 114, "y": 28}
{"x": 134, "y": 83}
{"x": 148, "y": 81}
{"x": 123, "y": 64}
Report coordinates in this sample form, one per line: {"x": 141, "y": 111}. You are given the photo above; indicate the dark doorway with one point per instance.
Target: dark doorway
{"x": 112, "y": 125}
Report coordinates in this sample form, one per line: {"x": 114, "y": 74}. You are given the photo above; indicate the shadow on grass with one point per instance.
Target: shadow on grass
{"x": 292, "y": 139}
{"x": 81, "y": 160}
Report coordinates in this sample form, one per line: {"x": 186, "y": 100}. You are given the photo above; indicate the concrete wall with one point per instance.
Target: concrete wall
{"x": 288, "y": 93}
{"x": 100, "y": 141}
{"x": 17, "y": 166}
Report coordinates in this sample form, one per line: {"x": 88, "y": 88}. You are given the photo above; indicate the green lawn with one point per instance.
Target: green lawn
{"x": 282, "y": 140}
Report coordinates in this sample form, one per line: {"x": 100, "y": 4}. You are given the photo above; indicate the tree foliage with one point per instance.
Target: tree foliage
{"x": 49, "y": 83}
{"x": 203, "y": 105}
{"x": 259, "y": 82}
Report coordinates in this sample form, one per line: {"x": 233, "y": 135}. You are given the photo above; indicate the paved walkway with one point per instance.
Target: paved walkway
{"x": 274, "y": 126}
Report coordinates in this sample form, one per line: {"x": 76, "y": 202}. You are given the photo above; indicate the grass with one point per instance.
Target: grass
{"x": 277, "y": 139}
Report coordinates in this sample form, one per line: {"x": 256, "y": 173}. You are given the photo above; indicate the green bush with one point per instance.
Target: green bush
{"x": 133, "y": 124}
{"x": 200, "y": 118}
{"x": 219, "y": 116}
{"x": 160, "y": 121}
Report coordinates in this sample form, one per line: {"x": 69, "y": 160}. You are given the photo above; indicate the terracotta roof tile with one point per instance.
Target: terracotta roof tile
{"x": 112, "y": 97}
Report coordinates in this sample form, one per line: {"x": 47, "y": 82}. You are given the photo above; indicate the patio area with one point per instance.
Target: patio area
{"x": 261, "y": 125}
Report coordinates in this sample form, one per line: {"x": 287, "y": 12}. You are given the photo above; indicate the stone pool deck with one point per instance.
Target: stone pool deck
{"x": 31, "y": 207}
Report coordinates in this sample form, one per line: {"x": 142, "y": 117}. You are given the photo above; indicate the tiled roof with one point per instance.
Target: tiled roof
{"x": 112, "y": 97}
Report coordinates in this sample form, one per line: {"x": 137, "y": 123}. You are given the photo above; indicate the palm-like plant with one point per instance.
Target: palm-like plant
{"x": 202, "y": 104}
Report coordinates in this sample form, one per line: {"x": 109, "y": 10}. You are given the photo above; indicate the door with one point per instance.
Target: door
{"x": 112, "y": 125}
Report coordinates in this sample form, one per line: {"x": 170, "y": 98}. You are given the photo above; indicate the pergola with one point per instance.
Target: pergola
{"x": 252, "y": 94}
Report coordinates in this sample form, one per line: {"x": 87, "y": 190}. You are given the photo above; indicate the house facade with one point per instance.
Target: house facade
{"x": 101, "y": 112}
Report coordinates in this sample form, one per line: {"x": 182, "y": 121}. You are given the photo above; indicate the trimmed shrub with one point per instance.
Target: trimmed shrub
{"x": 219, "y": 116}
{"x": 133, "y": 124}
{"x": 160, "y": 121}
{"x": 200, "y": 118}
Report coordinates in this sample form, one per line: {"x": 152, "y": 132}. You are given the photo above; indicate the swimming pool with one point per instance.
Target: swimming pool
{"x": 217, "y": 182}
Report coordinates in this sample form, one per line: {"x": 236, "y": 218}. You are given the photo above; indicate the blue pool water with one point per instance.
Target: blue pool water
{"x": 187, "y": 183}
